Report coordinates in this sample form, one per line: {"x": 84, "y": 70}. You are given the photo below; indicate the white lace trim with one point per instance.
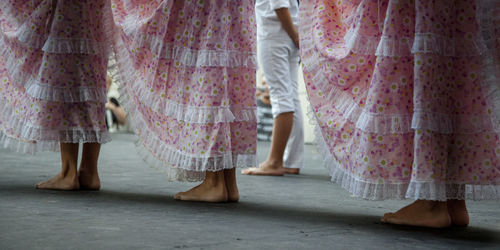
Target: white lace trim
{"x": 187, "y": 56}
{"x": 66, "y": 94}
{"x": 406, "y": 46}
{"x": 442, "y": 45}
{"x": 133, "y": 87}
{"x": 22, "y": 130}
{"x": 411, "y": 190}
{"x": 175, "y": 173}
{"x": 34, "y": 88}
{"x": 179, "y": 165}
{"x": 208, "y": 58}
{"x": 28, "y": 38}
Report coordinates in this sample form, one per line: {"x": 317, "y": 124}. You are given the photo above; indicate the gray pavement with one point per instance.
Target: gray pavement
{"x": 135, "y": 210}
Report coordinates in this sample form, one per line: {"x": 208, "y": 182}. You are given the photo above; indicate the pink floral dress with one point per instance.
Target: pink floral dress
{"x": 406, "y": 95}
{"x": 53, "y": 60}
{"x": 188, "y": 80}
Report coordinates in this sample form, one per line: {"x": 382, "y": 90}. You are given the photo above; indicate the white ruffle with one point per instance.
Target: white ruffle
{"x": 445, "y": 46}
{"x": 411, "y": 190}
{"x": 178, "y": 111}
{"x": 360, "y": 44}
{"x": 208, "y": 58}
{"x": 428, "y": 43}
{"x": 20, "y": 136}
{"x": 394, "y": 46}
{"x": 15, "y": 70}
{"x": 51, "y": 140}
{"x": 28, "y": 38}
{"x": 66, "y": 94}
{"x": 179, "y": 165}
{"x": 33, "y": 138}
{"x": 384, "y": 124}
{"x": 421, "y": 43}
{"x": 443, "y": 191}
{"x": 190, "y": 57}
{"x": 442, "y": 123}
{"x": 176, "y": 172}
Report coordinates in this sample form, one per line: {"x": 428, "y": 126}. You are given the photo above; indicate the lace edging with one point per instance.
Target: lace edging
{"x": 66, "y": 94}
{"x": 185, "y": 175}
{"x": 411, "y": 190}
{"x": 29, "y": 39}
{"x": 192, "y": 57}
{"x": 19, "y": 136}
{"x": 181, "y": 112}
{"x": 178, "y": 165}
{"x": 34, "y": 88}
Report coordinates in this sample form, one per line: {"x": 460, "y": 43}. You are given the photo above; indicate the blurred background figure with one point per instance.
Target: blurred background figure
{"x": 116, "y": 118}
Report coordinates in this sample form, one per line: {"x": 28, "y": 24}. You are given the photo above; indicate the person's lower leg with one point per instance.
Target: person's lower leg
{"x": 458, "y": 212}
{"x": 231, "y": 185}
{"x": 273, "y": 165}
{"x": 67, "y": 179}
{"x": 88, "y": 173}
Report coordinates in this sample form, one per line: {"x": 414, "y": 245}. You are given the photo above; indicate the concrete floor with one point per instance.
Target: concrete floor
{"x": 135, "y": 210}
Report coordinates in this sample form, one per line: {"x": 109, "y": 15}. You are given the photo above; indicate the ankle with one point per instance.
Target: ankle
{"x": 214, "y": 179}
{"x": 274, "y": 163}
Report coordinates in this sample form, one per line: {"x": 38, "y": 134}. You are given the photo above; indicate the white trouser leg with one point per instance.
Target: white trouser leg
{"x": 294, "y": 151}
{"x": 279, "y": 62}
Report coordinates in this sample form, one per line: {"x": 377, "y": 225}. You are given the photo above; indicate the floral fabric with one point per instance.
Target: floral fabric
{"x": 188, "y": 79}
{"x": 406, "y": 95}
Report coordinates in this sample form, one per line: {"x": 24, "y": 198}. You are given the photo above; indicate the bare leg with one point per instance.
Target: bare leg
{"x": 67, "y": 179}
{"x": 88, "y": 175}
{"x": 458, "y": 213}
{"x": 273, "y": 165}
{"x": 421, "y": 213}
{"x": 231, "y": 186}
{"x": 212, "y": 189}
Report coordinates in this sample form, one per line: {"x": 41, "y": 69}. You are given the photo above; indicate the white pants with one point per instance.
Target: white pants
{"x": 280, "y": 64}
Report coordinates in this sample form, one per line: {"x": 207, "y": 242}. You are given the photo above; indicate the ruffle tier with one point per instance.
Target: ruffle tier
{"x": 21, "y": 135}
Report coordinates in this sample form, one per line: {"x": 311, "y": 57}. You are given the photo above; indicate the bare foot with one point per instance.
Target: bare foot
{"x": 292, "y": 170}
{"x": 421, "y": 213}
{"x": 89, "y": 181}
{"x": 231, "y": 186}
{"x": 266, "y": 168}
{"x": 212, "y": 189}
{"x": 458, "y": 213}
{"x": 59, "y": 182}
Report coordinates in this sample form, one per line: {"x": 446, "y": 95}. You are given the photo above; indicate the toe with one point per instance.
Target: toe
{"x": 386, "y": 217}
